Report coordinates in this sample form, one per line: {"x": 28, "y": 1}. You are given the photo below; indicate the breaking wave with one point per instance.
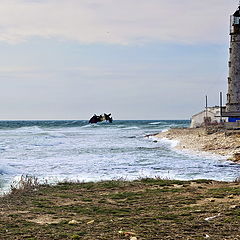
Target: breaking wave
{"x": 92, "y": 152}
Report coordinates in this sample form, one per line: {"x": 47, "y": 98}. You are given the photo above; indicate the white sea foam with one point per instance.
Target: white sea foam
{"x": 172, "y": 143}
{"x": 155, "y": 123}
{"x": 201, "y": 154}
{"x": 130, "y": 128}
{"x": 89, "y": 125}
{"x": 165, "y": 141}
{"x": 102, "y": 152}
{"x": 33, "y": 129}
{"x": 189, "y": 152}
{"x": 165, "y": 130}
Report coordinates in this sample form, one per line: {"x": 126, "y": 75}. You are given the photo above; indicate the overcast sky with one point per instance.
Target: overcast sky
{"x": 139, "y": 59}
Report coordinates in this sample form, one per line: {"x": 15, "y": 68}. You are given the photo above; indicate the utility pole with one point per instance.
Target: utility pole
{"x": 206, "y": 106}
{"x": 220, "y": 107}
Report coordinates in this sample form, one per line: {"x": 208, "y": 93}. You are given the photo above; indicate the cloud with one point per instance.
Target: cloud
{"x": 17, "y": 69}
{"x": 116, "y": 21}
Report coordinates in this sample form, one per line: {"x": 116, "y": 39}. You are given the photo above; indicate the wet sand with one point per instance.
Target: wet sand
{"x": 225, "y": 144}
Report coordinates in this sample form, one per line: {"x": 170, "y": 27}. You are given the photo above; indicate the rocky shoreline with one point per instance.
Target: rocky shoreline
{"x": 221, "y": 143}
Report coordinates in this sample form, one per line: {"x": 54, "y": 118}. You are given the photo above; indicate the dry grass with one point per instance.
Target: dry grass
{"x": 237, "y": 180}
{"x": 25, "y": 184}
{"x": 144, "y": 209}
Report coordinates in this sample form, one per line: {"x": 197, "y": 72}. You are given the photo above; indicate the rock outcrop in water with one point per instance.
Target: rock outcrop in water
{"x": 101, "y": 118}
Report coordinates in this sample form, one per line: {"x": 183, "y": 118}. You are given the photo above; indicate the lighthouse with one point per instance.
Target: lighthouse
{"x": 233, "y": 96}
{"x": 232, "y": 109}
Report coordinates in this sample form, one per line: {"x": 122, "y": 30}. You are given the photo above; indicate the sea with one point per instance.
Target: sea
{"x": 54, "y": 151}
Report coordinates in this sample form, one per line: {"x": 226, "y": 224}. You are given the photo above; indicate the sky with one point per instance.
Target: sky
{"x": 138, "y": 59}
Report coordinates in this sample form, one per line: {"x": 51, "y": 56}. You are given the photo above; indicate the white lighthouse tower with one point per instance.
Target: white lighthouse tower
{"x": 233, "y": 95}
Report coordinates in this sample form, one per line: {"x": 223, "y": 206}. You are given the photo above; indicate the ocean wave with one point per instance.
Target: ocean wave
{"x": 37, "y": 131}
{"x": 32, "y": 129}
{"x": 165, "y": 130}
{"x": 163, "y": 141}
{"x": 90, "y": 125}
{"x": 201, "y": 154}
{"x": 157, "y": 123}
{"x": 54, "y": 134}
{"x": 129, "y": 128}
{"x": 100, "y": 151}
{"x": 8, "y": 170}
{"x": 168, "y": 142}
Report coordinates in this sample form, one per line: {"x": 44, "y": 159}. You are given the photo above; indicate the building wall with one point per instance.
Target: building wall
{"x": 197, "y": 120}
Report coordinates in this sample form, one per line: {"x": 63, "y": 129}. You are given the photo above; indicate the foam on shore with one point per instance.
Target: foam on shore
{"x": 196, "y": 143}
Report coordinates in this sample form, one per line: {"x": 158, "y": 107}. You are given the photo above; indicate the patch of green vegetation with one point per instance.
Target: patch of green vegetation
{"x": 42, "y": 203}
{"x": 185, "y": 214}
{"x": 235, "y": 212}
{"x": 14, "y": 215}
{"x": 87, "y": 200}
{"x": 43, "y": 210}
{"x": 63, "y": 186}
{"x": 223, "y": 191}
{"x": 164, "y": 190}
{"x": 201, "y": 181}
{"x": 169, "y": 217}
{"x": 111, "y": 184}
{"x": 75, "y": 236}
{"x": 102, "y": 200}
{"x": 161, "y": 182}
{"x": 82, "y": 233}
{"x": 66, "y": 195}
{"x": 88, "y": 185}
{"x": 120, "y": 212}
{"x": 62, "y": 236}
{"x": 123, "y": 195}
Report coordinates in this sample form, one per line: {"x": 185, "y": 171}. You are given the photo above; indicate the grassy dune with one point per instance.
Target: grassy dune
{"x": 143, "y": 209}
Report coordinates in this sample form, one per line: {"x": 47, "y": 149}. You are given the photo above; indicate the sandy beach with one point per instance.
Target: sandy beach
{"x": 222, "y": 143}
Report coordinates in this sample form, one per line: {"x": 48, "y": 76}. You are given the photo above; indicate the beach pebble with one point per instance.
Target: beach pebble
{"x": 211, "y": 218}
{"x": 126, "y": 233}
{"x": 234, "y": 207}
{"x": 133, "y": 238}
{"x": 129, "y": 233}
{"x": 73, "y": 222}
{"x": 91, "y": 222}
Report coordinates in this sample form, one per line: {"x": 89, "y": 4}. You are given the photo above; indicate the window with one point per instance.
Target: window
{"x": 228, "y": 98}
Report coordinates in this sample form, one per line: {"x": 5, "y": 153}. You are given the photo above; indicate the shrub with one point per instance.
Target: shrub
{"x": 25, "y": 184}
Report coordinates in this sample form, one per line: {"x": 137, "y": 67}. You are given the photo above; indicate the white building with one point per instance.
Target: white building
{"x": 212, "y": 116}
